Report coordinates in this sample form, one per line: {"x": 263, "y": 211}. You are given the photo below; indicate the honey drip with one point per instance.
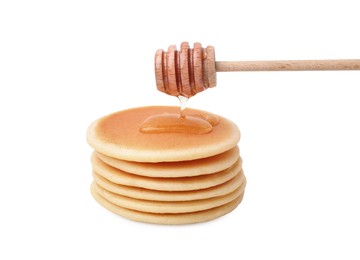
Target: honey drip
{"x": 183, "y": 101}
{"x": 200, "y": 123}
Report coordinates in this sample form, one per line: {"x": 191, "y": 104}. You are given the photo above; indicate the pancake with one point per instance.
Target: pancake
{"x": 168, "y": 184}
{"x": 168, "y": 219}
{"x": 176, "y": 169}
{"x": 118, "y": 136}
{"x": 146, "y": 194}
{"x": 168, "y": 206}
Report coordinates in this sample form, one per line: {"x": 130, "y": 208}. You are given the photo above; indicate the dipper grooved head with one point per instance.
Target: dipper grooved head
{"x": 185, "y": 72}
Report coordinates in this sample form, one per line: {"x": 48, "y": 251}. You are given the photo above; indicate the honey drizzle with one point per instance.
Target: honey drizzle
{"x": 183, "y": 101}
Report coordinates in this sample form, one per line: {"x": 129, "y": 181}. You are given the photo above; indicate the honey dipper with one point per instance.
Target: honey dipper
{"x": 187, "y": 71}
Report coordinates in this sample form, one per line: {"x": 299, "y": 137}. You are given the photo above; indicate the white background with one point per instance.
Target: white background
{"x": 64, "y": 64}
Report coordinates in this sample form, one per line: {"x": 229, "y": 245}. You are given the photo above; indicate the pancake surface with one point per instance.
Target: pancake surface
{"x": 118, "y": 136}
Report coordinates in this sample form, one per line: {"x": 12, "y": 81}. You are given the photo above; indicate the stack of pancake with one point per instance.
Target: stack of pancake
{"x": 165, "y": 178}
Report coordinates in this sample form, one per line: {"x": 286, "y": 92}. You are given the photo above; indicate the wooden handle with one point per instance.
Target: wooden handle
{"x": 287, "y": 65}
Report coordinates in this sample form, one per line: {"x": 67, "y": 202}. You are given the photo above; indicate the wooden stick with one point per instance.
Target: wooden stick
{"x": 287, "y": 65}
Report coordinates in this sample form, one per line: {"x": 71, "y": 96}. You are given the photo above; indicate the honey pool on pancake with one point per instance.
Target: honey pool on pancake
{"x": 199, "y": 123}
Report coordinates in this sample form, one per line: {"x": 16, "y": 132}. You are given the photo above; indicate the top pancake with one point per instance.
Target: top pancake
{"x": 117, "y": 135}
